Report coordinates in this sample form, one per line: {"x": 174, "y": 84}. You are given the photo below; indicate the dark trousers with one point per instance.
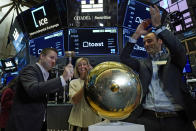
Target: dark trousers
{"x": 44, "y": 126}
{"x": 76, "y": 128}
{"x": 176, "y": 123}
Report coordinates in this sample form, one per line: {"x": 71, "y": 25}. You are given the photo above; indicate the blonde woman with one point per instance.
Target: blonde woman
{"x": 81, "y": 115}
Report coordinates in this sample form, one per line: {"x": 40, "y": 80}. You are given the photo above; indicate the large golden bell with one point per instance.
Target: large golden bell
{"x": 113, "y": 90}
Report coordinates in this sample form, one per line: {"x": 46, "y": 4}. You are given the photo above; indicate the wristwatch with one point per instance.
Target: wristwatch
{"x": 159, "y": 29}
{"x": 159, "y": 26}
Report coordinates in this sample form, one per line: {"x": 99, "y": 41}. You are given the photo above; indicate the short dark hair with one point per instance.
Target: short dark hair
{"x": 154, "y": 35}
{"x": 45, "y": 51}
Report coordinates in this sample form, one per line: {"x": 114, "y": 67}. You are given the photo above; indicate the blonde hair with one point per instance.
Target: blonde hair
{"x": 76, "y": 73}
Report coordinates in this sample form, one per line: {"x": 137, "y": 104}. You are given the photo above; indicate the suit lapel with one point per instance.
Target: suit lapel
{"x": 41, "y": 79}
{"x": 40, "y": 75}
{"x": 148, "y": 64}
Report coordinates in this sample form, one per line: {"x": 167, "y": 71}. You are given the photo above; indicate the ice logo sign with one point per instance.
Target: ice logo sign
{"x": 42, "y": 21}
{"x": 91, "y": 6}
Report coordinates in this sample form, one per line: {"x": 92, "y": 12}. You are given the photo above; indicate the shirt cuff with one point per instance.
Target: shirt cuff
{"x": 63, "y": 81}
{"x": 159, "y": 30}
{"x": 132, "y": 40}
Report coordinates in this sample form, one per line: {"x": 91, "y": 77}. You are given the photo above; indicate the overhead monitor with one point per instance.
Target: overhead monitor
{"x": 9, "y": 65}
{"x": 16, "y": 35}
{"x": 41, "y": 19}
{"x": 137, "y": 11}
{"x": 53, "y": 40}
{"x": 138, "y": 49}
{"x": 93, "y": 41}
{"x": 92, "y": 13}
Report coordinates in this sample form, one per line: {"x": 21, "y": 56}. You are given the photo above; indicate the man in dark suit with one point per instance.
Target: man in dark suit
{"x": 166, "y": 103}
{"x": 30, "y": 102}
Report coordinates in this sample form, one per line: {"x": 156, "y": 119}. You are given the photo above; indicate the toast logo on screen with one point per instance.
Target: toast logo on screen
{"x": 92, "y": 6}
{"x": 42, "y": 21}
{"x": 92, "y": 44}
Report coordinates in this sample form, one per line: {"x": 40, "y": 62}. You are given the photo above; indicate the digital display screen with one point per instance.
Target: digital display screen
{"x": 52, "y": 40}
{"x": 93, "y": 41}
{"x": 136, "y": 12}
{"x": 9, "y": 65}
{"x": 41, "y": 19}
{"x": 16, "y": 36}
{"x": 19, "y": 44}
{"x": 138, "y": 49}
{"x": 92, "y": 13}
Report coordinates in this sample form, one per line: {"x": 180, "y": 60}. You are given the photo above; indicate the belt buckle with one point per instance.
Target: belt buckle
{"x": 158, "y": 115}
{"x": 165, "y": 114}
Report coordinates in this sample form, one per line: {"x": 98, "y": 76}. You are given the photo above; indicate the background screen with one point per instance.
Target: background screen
{"x": 54, "y": 40}
{"x": 93, "y": 41}
{"x": 41, "y": 19}
{"x": 9, "y": 65}
{"x": 92, "y": 13}
{"x": 136, "y": 12}
{"x": 16, "y": 35}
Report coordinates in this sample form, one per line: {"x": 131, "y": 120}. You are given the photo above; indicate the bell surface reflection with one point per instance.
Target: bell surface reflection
{"x": 113, "y": 90}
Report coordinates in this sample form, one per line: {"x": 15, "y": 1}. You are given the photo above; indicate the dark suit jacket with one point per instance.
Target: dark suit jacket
{"x": 29, "y": 107}
{"x": 170, "y": 73}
